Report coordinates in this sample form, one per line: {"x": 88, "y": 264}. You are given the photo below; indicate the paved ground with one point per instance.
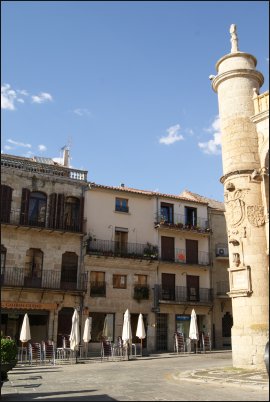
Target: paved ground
{"x": 164, "y": 377}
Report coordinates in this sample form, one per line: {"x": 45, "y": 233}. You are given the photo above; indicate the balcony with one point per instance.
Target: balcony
{"x": 181, "y": 256}
{"x": 180, "y": 222}
{"x": 24, "y": 164}
{"x": 110, "y": 248}
{"x": 98, "y": 289}
{"x": 48, "y": 279}
{"x": 181, "y": 294}
{"x": 222, "y": 288}
{"x": 15, "y": 218}
{"x": 141, "y": 292}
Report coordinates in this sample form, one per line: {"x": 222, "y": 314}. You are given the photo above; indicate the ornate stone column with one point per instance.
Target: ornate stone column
{"x": 235, "y": 83}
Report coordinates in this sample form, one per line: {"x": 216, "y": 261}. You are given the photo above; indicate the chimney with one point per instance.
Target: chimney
{"x": 66, "y": 157}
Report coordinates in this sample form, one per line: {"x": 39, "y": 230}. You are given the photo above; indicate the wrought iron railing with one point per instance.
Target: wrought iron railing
{"x": 181, "y": 222}
{"x": 181, "y": 294}
{"x": 16, "y": 218}
{"x": 45, "y": 279}
{"x": 97, "y": 289}
{"x": 222, "y": 288}
{"x": 141, "y": 292}
{"x": 112, "y": 248}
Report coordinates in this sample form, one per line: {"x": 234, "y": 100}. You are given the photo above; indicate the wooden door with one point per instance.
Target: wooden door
{"x": 193, "y": 288}
{"x": 191, "y": 251}
{"x": 167, "y": 248}
{"x": 168, "y": 286}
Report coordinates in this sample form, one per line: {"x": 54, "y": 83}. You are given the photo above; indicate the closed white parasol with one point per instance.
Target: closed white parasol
{"x": 140, "y": 333}
{"x": 126, "y": 331}
{"x": 25, "y": 334}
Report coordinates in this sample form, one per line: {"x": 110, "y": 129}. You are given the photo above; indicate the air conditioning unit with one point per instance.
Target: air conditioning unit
{"x": 222, "y": 251}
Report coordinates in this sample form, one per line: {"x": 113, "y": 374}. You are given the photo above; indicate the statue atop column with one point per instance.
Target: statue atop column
{"x": 234, "y": 39}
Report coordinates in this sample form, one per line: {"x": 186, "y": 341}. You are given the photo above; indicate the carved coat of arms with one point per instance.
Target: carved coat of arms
{"x": 235, "y": 212}
{"x": 255, "y": 215}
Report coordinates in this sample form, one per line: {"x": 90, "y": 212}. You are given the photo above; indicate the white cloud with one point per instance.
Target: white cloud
{"x": 19, "y": 144}
{"x": 213, "y": 146}
{"x": 8, "y": 97}
{"x": 42, "y": 148}
{"x": 8, "y": 147}
{"x": 172, "y": 135}
{"x": 42, "y": 97}
{"x": 22, "y": 92}
{"x": 82, "y": 112}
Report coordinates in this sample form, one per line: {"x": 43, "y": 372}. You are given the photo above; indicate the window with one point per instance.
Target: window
{"x": 37, "y": 209}
{"x": 140, "y": 279}
{"x": 69, "y": 270}
{"x": 97, "y": 284}
{"x": 190, "y": 216}
{"x": 120, "y": 281}
{"x": 6, "y": 196}
{"x": 141, "y": 289}
{"x": 167, "y": 212}
{"x": 3, "y": 259}
{"x": 121, "y": 204}
{"x": 33, "y": 267}
{"x": 71, "y": 214}
{"x": 121, "y": 238}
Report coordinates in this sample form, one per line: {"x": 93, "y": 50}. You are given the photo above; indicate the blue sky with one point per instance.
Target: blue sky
{"x": 125, "y": 84}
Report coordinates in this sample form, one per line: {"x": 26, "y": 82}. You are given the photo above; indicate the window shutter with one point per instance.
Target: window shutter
{"x": 24, "y": 206}
{"x": 81, "y": 214}
{"x": 60, "y": 211}
{"x": 52, "y": 210}
{"x": 6, "y": 196}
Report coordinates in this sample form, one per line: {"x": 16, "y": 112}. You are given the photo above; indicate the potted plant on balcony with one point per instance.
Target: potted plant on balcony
{"x": 9, "y": 352}
{"x": 141, "y": 292}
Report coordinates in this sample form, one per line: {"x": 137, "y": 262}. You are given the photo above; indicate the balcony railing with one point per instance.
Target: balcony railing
{"x": 181, "y": 294}
{"x": 141, "y": 292}
{"x": 181, "y": 257}
{"x": 15, "y": 218}
{"x": 222, "y": 288}
{"x": 97, "y": 289}
{"x": 47, "y": 279}
{"x": 43, "y": 168}
{"x": 109, "y": 248}
{"x": 180, "y": 222}
{"x": 112, "y": 248}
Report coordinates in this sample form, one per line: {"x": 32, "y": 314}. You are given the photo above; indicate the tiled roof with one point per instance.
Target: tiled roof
{"x": 211, "y": 203}
{"x": 146, "y": 192}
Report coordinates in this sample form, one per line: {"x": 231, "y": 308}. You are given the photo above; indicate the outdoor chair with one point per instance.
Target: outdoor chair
{"x": 34, "y": 352}
{"x": 106, "y": 349}
{"x": 48, "y": 351}
{"x": 179, "y": 342}
{"x": 206, "y": 342}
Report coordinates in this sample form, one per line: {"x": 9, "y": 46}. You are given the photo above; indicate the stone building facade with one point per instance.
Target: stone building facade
{"x": 244, "y": 116}
{"x": 67, "y": 243}
{"x": 41, "y": 241}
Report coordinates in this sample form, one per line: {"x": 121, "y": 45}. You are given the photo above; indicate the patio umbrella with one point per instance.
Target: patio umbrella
{"x": 87, "y": 332}
{"x": 25, "y": 334}
{"x": 126, "y": 332}
{"x": 108, "y": 327}
{"x": 193, "y": 329}
{"x": 75, "y": 333}
{"x": 140, "y": 333}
